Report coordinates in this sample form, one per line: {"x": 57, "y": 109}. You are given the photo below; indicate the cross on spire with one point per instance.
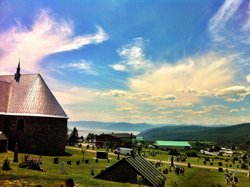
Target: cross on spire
{"x": 18, "y": 74}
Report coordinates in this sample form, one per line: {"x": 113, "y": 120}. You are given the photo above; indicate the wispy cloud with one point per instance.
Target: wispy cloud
{"x": 82, "y": 66}
{"x": 46, "y": 36}
{"x": 132, "y": 55}
{"x": 224, "y": 14}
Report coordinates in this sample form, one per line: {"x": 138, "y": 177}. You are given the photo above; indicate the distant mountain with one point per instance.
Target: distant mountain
{"x": 229, "y": 134}
{"x": 121, "y": 126}
{"x": 183, "y": 132}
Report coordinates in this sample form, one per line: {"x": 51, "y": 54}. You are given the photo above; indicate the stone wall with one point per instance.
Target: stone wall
{"x": 38, "y": 135}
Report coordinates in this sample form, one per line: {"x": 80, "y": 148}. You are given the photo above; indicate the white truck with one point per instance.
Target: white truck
{"x": 123, "y": 151}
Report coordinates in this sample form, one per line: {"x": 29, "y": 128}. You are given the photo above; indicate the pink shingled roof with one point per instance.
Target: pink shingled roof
{"x": 29, "y": 96}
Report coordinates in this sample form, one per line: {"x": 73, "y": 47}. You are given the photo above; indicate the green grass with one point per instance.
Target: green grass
{"x": 81, "y": 174}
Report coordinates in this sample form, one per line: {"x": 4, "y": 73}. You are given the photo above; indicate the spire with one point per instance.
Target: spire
{"x": 18, "y": 74}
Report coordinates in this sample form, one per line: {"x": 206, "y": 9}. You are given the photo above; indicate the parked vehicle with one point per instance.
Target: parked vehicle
{"x": 123, "y": 151}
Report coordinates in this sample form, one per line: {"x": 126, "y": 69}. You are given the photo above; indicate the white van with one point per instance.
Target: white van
{"x": 123, "y": 151}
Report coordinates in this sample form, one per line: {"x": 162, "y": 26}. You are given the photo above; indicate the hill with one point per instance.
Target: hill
{"x": 112, "y": 126}
{"x": 235, "y": 134}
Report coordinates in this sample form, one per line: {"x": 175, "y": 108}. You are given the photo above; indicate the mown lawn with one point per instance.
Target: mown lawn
{"x": 82, "y": 173}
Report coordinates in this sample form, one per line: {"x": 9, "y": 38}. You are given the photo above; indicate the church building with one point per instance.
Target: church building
{"x": 30, "y": 115}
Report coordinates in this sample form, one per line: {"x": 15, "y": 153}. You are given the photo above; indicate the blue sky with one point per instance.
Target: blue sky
{"x": 171, "y": 62}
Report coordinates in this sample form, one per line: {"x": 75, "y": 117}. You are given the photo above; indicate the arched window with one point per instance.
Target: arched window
{"x": 20, "y": 125}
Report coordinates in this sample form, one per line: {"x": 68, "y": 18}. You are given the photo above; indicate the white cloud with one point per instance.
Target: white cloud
{"x": 222, "y": 16}
{"x": 246, "y": 25}
{"x": 234, "y": 111}
{"x": 119, "y": 67}
{"x": 203, "y": 73}
{"x": 46, "y": 36}
{"x": 248, "y": 78}
{"x": 133, "y": 58}
{"x": 82, "y": 66}
{"x": 113, "y": 93}
{"x": 234, "y": 91}
{"x": 234, "y": 99}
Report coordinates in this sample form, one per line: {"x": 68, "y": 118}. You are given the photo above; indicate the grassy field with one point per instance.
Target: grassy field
{"x": 81, "y": 174}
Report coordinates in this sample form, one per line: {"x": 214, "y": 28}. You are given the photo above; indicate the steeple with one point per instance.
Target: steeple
{"x": 18, "y": 74}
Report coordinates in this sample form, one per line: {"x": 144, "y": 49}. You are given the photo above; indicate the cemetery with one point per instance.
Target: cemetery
{"x": 85, "y": 165}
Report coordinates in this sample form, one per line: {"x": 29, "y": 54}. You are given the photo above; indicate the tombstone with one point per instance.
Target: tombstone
{"x": 172, "y": 161}
{"x": 211, "y": 163}
{"x": 233, "y": 162}
{"x": 78, "y": 162}
{"x": 220, "y": 163}
{"x": 189, "y": 165}
{"x": 16, "y": 153}
{"x": 69, "y": 162}
{"x": 62, "y": 168}
{"x": 220, "y": 169}
{"x": 139, "y": 151}
{"x": 102, "y": 154}
{"x": 165, "y": 171}
{"x": 56, "y": 161}
{"x": 108, "y": 160}
{"x": 92, "y": 170}
{"x": 96, "y": 160}
{"x": 204, "y": 162}
{"x": 230, "y": 165}
{"x": 86, "y": 161}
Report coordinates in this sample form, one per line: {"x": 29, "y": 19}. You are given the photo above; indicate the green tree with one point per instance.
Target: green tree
{"x": 91, "y": 137}
{"x": 73, "y": 137}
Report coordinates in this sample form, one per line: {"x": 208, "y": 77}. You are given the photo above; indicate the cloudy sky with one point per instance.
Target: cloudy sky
{"x": 171, "y": 62}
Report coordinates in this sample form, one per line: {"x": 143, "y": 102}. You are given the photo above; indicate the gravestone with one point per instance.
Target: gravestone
{"x": 56, "y": 161}
{"x": 62, "y": 168}
{"x": 86, "y": 161}
{"x": 102, "y": 154}
{"x": 16, "y": 153}
{"x": 220, "y": 169}
{"x": 78, "y": 162}
{"x": 189, "y": 165}
{"x": 69, "y": 162}
{"x": 92, "y": 170}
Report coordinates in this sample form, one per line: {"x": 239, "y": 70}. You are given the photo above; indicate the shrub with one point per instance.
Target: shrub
{"x": 174, "y": 152}
{"x": 6, "y": 165}
{"x": 191, "y": 153}
{"x": 243, "y": 166}
{"x": 31, "y": 163}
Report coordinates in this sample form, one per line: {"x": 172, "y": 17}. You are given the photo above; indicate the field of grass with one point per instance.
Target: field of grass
{"x": 81, "y": 174}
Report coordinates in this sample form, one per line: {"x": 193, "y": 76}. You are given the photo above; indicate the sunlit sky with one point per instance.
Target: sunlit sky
{"x": 160, "y": 62}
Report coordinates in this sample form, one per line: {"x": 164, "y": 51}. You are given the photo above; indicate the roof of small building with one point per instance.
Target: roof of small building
{"x": 139, "y": 138}
{"x": 172, "y": 143}
{"x": 119, "y": 135}
{"x": 143, "y": 168}
{"x": 3, "y": 136}
{"x": 30, "y": 96}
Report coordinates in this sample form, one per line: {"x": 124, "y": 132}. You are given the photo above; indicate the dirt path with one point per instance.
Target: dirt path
{"x": 176, "y": 163}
